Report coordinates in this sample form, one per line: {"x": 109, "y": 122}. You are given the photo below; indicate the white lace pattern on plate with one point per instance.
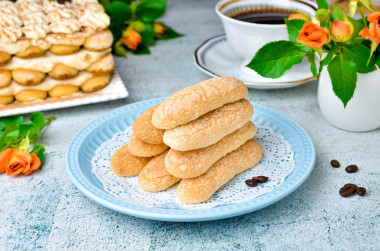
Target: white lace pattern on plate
{"x": 277, "y": 163}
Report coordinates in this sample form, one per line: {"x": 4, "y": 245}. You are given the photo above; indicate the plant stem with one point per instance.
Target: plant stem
{"x": 362, "y": 13}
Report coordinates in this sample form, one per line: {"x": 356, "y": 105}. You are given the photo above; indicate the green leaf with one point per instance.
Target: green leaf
{"x": 38, "y": 120}
{"x": 19, "y": 133}
{"x": 49, "y": 120}
{"x": 6, "y": 122}
{"x": 120, "y": 13}
{"x": 39, "y": 151}
{"x": 378, "y": 62}
{"x": 134, "y": 5}
{"x": 343, "y": 77}
{"x": 9, "y": 134}
{"x": 358, "y": 26}
{"x": 360, "y": 55}
{"x": 313, "y": 68}
{"x": 150, "y": 10}
{"x": 10, "y": 121}
{"x": 337, "y": 13}
{"x": 125, "y": 1}
{"x": 324, "y": 24}
{"x": 17, "y": 129}
{"x": 294, "y": 27}
{"x": 24, "y": 129}
{"x": 38, "y": 123}
{"x": 148, "y": 34}
{"x": 326, "y": 60}
{"x": 169, "y": 33}
{"x": 275, "y": 58}
{"x": 323, "y": 4}
{"x": 143, "y": 49}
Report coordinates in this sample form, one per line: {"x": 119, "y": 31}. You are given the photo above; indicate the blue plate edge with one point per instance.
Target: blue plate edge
{"x": 182, "y": 217}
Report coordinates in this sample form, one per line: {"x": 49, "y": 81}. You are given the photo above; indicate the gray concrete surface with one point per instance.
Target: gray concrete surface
{"x": 46, "y": 211}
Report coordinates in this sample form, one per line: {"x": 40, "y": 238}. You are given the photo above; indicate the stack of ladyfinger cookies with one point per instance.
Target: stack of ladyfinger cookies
{"x": 51, "y": 48}
{"x": 201, "y": 137}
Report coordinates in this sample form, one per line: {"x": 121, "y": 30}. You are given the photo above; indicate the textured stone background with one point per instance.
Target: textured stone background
{"x": 46, "y": 211}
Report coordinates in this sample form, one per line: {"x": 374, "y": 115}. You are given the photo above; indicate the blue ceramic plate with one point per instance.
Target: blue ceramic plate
{"x": 82, "y": 149}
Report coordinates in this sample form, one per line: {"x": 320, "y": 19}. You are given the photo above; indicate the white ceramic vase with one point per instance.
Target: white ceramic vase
{"x": 362, "y": 112}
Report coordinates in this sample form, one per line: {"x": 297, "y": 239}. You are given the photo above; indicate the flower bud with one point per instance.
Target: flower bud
{"x": 131, "y": 39}
{"x": 322, "y": 15}
{"x": 298, "y": 16}
{"x": 366, "y": 3}
{"x": 342, "y": 31}
{"x": 119, "y": 50}
{"x": 139, "y": 26}
{"x": 158, "y": 29}
{"x": 352, "y": 8}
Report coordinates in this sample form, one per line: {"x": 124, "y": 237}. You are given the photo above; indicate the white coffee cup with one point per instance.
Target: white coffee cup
{"x": 247, "y": 38}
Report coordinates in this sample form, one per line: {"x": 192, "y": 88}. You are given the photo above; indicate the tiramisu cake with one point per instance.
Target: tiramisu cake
{"x": 53, "y": 49}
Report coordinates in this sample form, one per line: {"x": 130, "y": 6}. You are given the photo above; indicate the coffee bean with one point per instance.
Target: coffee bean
{"x": 260, "y": 179}
{"x": 352, "y": 168}
{"x": 348, "y": 185}
{"x": 360, "y": 191}
{"x": 346, "y": 191}
{"x": 251, "y": 183}
{"x": 335, "y": 163}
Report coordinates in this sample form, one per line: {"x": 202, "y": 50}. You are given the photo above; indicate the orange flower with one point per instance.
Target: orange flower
{"x": 342, "y": 31}
{"x": 131, "y": 39}
{"x": 373, "y": 32}
{"x": 36, "y": 163}
{"x": 312, "y": 35}
{"x": 18, "y": 161}
{"x": 158, "y": 28}
{"x": 298, "y": 16}
{"x": 4, "y": 157}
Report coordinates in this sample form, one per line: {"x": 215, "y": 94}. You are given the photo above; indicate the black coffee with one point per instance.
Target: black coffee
{"x": 262, "y": 16}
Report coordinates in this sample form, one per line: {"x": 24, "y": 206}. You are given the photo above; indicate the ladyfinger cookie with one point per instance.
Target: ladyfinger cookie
{"x": 59, "y": 91}
{"x": 28, "y": 77}
{"x": 142, "y": 149}
{"x": 200, "y": 189}
{"x": 5, "y": 58}
{"x": 96, "y": 83}
{"x": 125, "y": 164}
{"x": 194, "y": 163}
{"x": 5, "y": 100}
{"x": 30, "y": 95}
{"x": 145, "y": 130}
{"x": 154, "y": 177}
{"x": 31, "y": 52}
{"x": 5, "y": 78}
{"x": 210, "y": 128}
{"x": 192, "y": 102}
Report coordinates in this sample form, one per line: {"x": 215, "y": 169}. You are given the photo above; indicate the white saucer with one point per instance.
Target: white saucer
{"x": 216, "y": 58}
